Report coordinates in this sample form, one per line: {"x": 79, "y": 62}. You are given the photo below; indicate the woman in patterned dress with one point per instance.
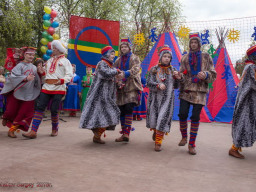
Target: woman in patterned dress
{"x": 161, "y": 82}
{"x": 100, "y": 110}
{"x": 244, "y": 117}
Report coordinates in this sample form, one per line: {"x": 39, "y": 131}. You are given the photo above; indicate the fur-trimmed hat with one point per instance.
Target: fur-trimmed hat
{"x": 59, "y": 44}
{"x": 164, "y": 49}
{"x": 105, "y": 51}
{"x": 195, "y": 36}
{"x": 126, "y": 41}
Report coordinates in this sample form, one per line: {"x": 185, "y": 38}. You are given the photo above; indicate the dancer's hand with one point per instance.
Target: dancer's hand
{"x": 177, "y": 75}
{"x": 162, "y": 86}
{"x": 30, "y": 77}
{"x": 120, "y": 75}
{"x": 201, "y": 75}
{"x": 58, "y": 83}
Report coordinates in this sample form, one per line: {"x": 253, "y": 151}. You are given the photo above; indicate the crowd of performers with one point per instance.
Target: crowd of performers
{"x": 114, "y": 93}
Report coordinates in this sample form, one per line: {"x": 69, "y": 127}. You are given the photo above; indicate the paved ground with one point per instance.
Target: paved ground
{"x": 72, "y": 163}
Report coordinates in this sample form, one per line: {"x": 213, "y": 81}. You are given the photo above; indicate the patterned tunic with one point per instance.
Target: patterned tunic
{"x": 196, "y": 92}
{"x": 100, "y": 108}
{"x": 244, "y": 117}
{"x": 160, "y": 102}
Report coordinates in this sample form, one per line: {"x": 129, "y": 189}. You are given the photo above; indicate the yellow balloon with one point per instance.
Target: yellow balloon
{"x": 44, "y": 49}
{"x": 47, "y": 10}
{"x": 55, "y": 36}
{"x": 45, "y": 27}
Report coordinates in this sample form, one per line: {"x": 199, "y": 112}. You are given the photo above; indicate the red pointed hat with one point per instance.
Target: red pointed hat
{"x": 194, "y": 35}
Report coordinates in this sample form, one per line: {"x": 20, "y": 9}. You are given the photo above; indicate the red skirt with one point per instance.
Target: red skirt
{"x": 18, "y": 112}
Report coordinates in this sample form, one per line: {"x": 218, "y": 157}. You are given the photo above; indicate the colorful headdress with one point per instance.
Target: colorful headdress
{"x": 195, "y": 36}
{"x": 105, "y": 51}
{"x": 251, "y": 53}
{"x": 126, "y": 41}
{"x": 164, "y": 49}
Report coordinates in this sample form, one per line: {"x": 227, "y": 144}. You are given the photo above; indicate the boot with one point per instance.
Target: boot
{"x": 124, "y": 138}
{"x": 98, "y": 140}
{"x": 154, "y": 136}
{"x": 191, "y": 150}
{"x": 183, "y": 142}
{"x": 11, "y": 134}
{"x": 54, "y": 133}
{"x": 97, "y": 135}
{"x": 30, "y": 135}
{"x": 4, "y": 122}
{"x": 158, "y": 147}
{"x": 235, "y": 153}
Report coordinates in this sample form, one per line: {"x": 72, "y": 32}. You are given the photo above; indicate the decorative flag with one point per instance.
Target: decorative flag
{"x": 87, "y": 38}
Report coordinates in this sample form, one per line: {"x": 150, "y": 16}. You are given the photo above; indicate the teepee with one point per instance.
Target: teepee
{"x": 222, "y": 97}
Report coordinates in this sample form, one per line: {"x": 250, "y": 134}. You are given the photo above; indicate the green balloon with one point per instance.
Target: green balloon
{"x": 44, "y": 41}
{"x": 47, "y": 23}
{"x": 45, "y": 34}
{"x": 49, "y": 38}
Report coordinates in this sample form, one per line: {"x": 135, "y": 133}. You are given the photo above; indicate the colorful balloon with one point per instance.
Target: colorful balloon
{"x": 44, "y": 49}
{"x": 49, "y": 38}
{"x": 55, "y": 36}
{"x": 45, "y": 34}
{"x": 54, "y": 14}
{"x": 51, "y": 30}
{"x": 47, "y": 23}
{"x": 55, "y": 24}
{"x": 45, "y": 27}
{"x": 44, "y": 41}
{"x": 49, "y": 52}
{"x": 46, "y": 16}
{"x": 46, "y": 57}
{"x": 49, "y": 45}
{"x": 47, "y": 10}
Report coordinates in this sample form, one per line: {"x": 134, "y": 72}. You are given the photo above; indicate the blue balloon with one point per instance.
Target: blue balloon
{"x": 46, "y": 57}
{"x": 49, "y": 52}
{"x": 55, "y": 24}
{"x": 46, "y": 16}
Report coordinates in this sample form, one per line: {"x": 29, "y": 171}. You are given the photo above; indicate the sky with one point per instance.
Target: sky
{"x": 232, "y": 14}
{"x": 201, "y": 10}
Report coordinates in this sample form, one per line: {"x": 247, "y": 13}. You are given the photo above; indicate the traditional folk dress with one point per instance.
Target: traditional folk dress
{"x": 72, "y": 100}
{"x": 2, "y": 99}
{"x": 58, "y": 72}
{"x": 86, "y": 86}
{"x": 128, "y": 93}
{"x": 100, "y": 108}
{"x": 244, "y": 117}
{"x": 160, "y": 102}
{"x": 193, "y": 90}
{"x": 141, "y": 110}
{"x": 20, "y": 96}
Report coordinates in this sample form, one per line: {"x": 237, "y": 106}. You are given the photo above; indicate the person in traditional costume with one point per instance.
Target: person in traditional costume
{"x": 86, "y": 84}
{"x": 196, "y": 71}
{"x": 58, "y": 72}
{"x": 22, "y": 87}
{"x": 161, "y": 84}
{"x": 129, "y": 87}
{"x": 100, "y": 110}
{"x": 72, "y": 99}
{"x": 244, "y": 116}
{"x": 2, "y": 81}
{"x": 141, "y": 110}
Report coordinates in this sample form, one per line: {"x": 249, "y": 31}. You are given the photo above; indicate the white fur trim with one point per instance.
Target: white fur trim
{"x": 59, "y": 45}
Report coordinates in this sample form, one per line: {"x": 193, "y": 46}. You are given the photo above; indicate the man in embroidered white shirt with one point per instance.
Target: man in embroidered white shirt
{"x": 58, "y": 72}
